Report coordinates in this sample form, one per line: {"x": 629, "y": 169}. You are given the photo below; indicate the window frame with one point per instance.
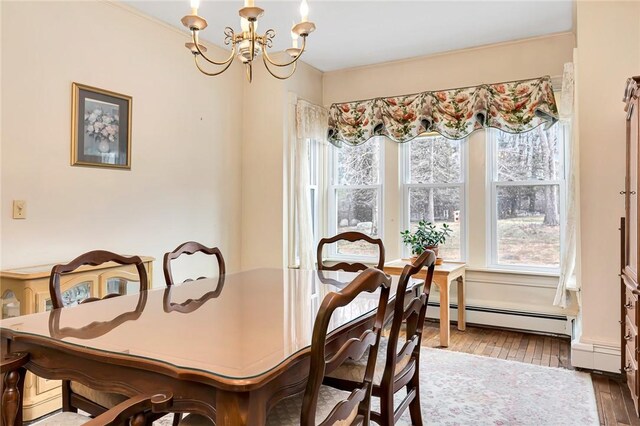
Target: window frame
{"x": 332, "y": 188}
{"x": 405, "y": 177}
{"x": 492, "y": 202}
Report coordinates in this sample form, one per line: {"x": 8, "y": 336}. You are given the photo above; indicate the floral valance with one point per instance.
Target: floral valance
{"x": 514, "y": 107}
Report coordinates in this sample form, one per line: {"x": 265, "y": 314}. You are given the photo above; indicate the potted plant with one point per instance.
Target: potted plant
{"x": 426, "y": 237}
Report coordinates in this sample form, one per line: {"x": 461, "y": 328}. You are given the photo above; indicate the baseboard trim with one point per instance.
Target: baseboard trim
{"x": 595, "y": 356}
{"x": 519, "y": 320}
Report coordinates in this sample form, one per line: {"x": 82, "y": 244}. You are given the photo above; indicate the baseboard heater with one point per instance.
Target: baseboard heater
{"x": 520, "y": 320}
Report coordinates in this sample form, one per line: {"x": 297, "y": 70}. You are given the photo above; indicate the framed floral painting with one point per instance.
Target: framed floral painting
{"x": 100, "y": 128}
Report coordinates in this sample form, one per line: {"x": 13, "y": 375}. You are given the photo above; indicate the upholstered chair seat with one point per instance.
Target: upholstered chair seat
{"x": 354, "y": 370}
{"x": 105, "y": 399}
{"x": 287, "y": 411}
{"x": 64, "y": 418}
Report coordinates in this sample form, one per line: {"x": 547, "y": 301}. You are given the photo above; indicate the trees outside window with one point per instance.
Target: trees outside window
{"x": 356, "y": 195}
{"x": 527, "y": 192}
{"x": 434, "y": 188}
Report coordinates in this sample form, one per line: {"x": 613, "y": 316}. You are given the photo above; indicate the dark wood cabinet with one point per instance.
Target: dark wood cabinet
{"x": 629, "y": 246}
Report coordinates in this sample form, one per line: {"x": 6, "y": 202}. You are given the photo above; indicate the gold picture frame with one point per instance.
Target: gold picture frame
{"x": 100, "y": 127}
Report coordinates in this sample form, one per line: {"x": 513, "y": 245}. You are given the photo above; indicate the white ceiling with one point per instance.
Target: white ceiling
{"x": 355, "y": 33}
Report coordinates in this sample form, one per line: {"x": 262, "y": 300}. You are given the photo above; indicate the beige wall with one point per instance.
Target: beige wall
{"x": 608, "y": 53}
{"x": 186, "y": 142}
{"x": 265, "y": 161}
{"x": 490, "y": 64}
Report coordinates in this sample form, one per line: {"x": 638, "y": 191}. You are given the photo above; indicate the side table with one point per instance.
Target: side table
{"x": 443, "y": 276}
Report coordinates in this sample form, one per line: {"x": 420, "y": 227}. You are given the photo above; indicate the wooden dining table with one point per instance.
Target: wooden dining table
{"x": 228, "y": 348}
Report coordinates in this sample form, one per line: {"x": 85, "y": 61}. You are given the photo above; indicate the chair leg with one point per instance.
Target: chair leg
{"x": 414, "y": 406}
{"x": 177, "y": 417}
{"x": 386, "y": 409}
{"x": 66, "y": 397}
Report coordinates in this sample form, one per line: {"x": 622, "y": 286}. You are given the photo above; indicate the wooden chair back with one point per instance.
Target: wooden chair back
{"x": 357, "y": 405}
{"x": 93, "y": 258}
{"x": 351, "y": 237}
{"x": 190, "y": 305}
{"x": 189, "y": 248}
{"x": 401, "y": 367}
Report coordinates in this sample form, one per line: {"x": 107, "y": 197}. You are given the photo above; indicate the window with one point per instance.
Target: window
{"x": 527, "y": 197}
{"x": 314, "y": 148}
{"x": 434, "y": 188}
{"x": 355, "y": 195}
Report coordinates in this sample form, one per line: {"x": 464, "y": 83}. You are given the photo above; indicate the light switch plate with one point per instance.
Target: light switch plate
{"x": 19, "y": 209}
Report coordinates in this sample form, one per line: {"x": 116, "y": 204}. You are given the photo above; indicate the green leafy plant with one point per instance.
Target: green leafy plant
{"x": 427, "y": 235}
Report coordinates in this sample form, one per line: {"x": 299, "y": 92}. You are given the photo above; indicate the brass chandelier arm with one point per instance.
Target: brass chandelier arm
{"x": 266, "y": 65}
{"x": 293, "y": 61}
{"x": 194, "y": 36}
{"x": 212, "y": 74}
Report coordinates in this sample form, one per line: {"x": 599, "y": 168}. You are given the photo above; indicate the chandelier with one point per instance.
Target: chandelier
{"x": 248, "y": 45}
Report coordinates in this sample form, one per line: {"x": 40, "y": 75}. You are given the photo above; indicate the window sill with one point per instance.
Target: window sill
{"x": 505, "y": 271}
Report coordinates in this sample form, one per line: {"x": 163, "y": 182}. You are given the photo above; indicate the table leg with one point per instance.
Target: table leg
{"x": 462, "y": 322}
{"x": 444, "y": 314}
{"x": 240, "y": 409}
{"x": 12, "y": 397}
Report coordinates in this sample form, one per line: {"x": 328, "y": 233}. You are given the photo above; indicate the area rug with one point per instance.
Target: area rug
{"x": 463, "y": 389}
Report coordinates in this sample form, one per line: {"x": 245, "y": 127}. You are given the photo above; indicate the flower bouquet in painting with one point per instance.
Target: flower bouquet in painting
{"x": 102, "y": 124}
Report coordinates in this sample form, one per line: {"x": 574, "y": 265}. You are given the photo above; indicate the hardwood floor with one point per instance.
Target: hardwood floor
{"x": 612, "y": 396}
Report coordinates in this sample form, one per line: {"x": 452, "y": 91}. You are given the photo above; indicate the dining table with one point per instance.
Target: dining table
{"x": 228, "y": 347}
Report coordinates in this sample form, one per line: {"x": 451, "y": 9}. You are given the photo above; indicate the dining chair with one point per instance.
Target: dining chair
{"x": 398, "y": 365}
{"x": 321, "y": 404}
{"x": 75, "y": 395}
{"x": 350, "y": 237}
{"x": 132, "y": 411}
{"x": 189, "y": 248}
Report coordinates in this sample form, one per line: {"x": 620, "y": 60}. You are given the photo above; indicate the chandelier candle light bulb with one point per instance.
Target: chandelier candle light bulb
{"x": 248, "y": 45}
{"x": 195, "y": 4}
{"x": 304, "y": 11}
{"x": 294, "y": 40}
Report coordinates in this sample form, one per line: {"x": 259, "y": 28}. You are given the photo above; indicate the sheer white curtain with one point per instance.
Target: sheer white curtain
{"x": 570, "y": 255}
{"x": 311, "y": 124}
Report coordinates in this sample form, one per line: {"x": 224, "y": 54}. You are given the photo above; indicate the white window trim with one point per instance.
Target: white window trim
{"x": 492, "y": 206}
{"x": 332, "y": 226}
{"x": 404, "y": 178}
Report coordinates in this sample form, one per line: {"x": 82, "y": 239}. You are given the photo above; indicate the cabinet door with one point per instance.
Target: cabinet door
{"x": 122, "y": 280}
{"x": 10, "y": 305}
{"x": 632, "y": 189}
{"x": 74, "y": 290}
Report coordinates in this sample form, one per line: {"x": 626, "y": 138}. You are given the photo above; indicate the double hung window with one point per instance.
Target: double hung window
{"x": 434, "y": 188}
{"x": 527, "y": 191}
{"x": 355, "y": 196}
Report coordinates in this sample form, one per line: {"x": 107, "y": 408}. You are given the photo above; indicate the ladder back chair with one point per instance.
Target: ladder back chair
{"x": 76, "y": 395}
{"x": 399, "y": 361}
{"x": 189, "y": 248}
{"x": 132, "y": 411}
{"x": 338, "y": 407}
{"x": 351, "y": 237}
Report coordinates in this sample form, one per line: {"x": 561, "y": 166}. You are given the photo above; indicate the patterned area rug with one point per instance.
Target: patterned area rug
{"x": 463, "y": 389}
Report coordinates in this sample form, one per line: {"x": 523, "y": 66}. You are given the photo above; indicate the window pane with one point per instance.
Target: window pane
{"x": 358, "y": 211}
{"x": 358, "y": 165}
{"x": 435, "y": 160}
{"x": 439, "y": 205}
{"x": 528, "y": 225}
{"x": 533, "y": 155}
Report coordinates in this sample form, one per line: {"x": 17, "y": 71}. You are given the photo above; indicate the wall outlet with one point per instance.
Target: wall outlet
{"x": 19, "y": 209}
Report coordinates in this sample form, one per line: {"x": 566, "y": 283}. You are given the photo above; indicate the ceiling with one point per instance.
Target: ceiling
{"x": 356, "y": 33}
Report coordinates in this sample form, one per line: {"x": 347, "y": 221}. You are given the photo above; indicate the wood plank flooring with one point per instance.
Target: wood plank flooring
{"x": 612, "y": 396}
